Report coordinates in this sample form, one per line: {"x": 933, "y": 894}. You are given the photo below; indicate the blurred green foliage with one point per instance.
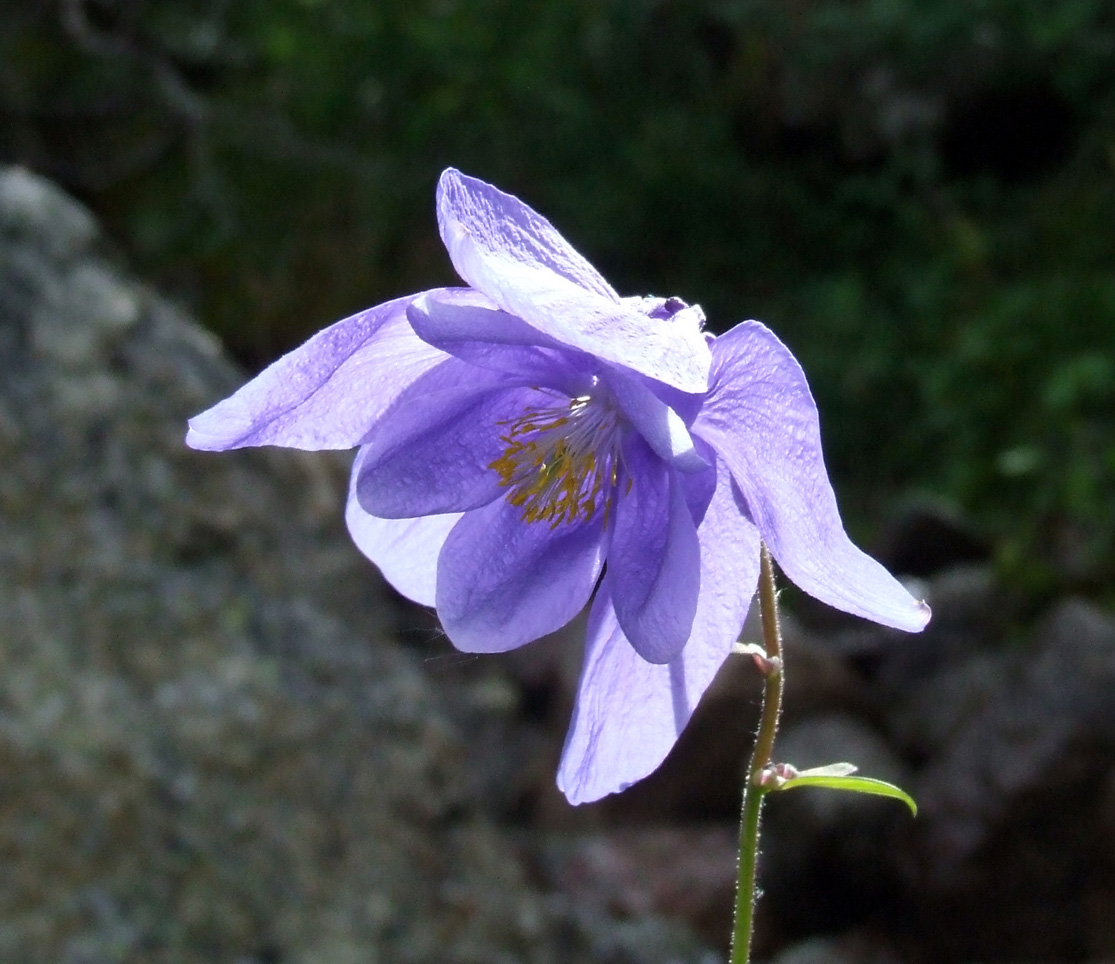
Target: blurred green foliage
{"x": 919, "y": 197}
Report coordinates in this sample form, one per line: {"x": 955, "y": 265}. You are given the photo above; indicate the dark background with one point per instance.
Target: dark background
{"x": 919, "y": 197}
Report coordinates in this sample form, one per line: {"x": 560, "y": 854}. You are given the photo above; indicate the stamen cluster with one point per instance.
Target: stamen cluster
{"x": 561, "y": 462}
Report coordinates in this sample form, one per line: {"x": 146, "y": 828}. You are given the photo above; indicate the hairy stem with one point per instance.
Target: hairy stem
{"x": 754, "y": 790}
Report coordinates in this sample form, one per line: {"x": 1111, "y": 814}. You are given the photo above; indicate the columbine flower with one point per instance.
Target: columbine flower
{"x": 534, "y": 437}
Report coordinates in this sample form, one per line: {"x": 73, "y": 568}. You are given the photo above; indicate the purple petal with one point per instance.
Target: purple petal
{"x": 654, "y": 559}
{"x": 503, "y": 582}
{"x": 661, "y": 427}
{"x": 432, "y": 453}
{"x": 762, "y": 420}
{"x": 328, "y": 393}
{"x": 515, "y": 257}
{"x": 405, "y": 550}
{"x": 630, "y": 712}
{"x": 729, "y": 574}
{"x": 444, "y": 317}
{"x": 465, "y": 324}
{"x": 700, "y": 486}
{"x": 502, "y": 226}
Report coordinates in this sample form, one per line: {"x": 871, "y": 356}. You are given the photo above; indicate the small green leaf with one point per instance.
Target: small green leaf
{"x": 838, "y": 776}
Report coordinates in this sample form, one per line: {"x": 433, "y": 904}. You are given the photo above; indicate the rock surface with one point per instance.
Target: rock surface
{"x": 1011, "y": 845}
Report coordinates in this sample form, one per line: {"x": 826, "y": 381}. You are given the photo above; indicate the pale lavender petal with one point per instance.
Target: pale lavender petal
{"x": 700, "y": 486}
{"x": 503, "y": 582}
{"x": 630, "y": 712}
{"x": 328, "y": 393}
{"x": 762, "y": 420}
{"x": 443, "y": 317}
{"x": 671, "y": 309}
{"x": 661, "y": 427}
{"x": 433, "y": 453}
{"x": 516, "y": 258}
{"x": 464, "y": 323}
{"x": 729, "y": 572}
{"x": 405, "y": 550}
{"x": 654, "y": 558}
{"x": 504, "y": 226}
{"x": 655, "y": 307}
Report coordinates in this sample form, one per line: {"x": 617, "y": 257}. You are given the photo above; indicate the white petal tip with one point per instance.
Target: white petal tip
{"x": 924, "y": 615}
{"x": 912, "y": 619}
{"x": 203, "y": 442}
{"x": 579, "y": 794}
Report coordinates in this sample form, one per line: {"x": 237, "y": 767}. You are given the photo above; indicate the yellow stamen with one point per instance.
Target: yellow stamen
{"x": 560, "y": 462}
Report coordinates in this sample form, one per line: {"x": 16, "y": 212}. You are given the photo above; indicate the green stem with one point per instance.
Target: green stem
{"x": 754, "y": 790}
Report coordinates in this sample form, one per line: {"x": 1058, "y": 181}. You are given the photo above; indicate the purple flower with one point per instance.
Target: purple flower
{"x": 534, "y": 437}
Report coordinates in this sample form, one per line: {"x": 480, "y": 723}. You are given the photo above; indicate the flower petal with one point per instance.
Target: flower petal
{"x": 501, "y": 225}
{"x": 630, "y": 712}
{"x": 465, "y": 324}
{"x": 432, "y": 453}
{"x": 503, "y": 582}
{"x": 762, "y": 420}
{"x": 515, "y": 257}
{"x": 405, "y": 550}
{"x": 729, "y": 574}
{"x": 328, "y": 393}
{"x": 444, "y": 317}
{"x": 654, "y": 558}
{"x": 660, "y": 426}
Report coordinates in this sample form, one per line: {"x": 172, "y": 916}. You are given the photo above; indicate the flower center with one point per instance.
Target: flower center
{"x": 561, "y": 462}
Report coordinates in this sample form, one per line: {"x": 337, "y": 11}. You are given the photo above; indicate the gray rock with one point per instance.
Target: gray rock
{"x": 1010, "y": 845}
{"x": 1053, "y": 724}
{"x": 937, "y": 711}
{"x": 40, "y": 216}
{"x": 211, "y": 747}
{"x": 684, "y": 874}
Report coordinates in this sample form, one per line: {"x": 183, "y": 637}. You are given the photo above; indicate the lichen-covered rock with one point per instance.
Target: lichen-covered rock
{"x": 211, "y": 748}
{"x": 682, "y": 873}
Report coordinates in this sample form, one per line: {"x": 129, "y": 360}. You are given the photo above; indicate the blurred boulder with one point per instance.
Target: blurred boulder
{"x": 683, "y": 873}
{"x": 1011, "y": 844}
{"x": 1051, "y": 725}
{"x": 969, "y": 612}
{"x": 935, "y": 712}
